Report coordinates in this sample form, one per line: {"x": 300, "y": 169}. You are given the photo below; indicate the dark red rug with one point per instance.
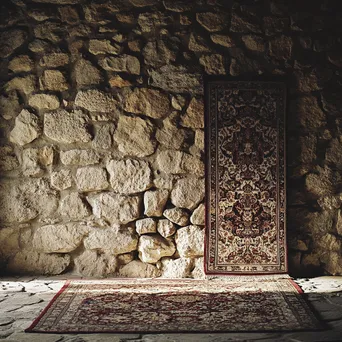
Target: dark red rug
{"x": 161, "y": 306}
{"x": 245, "y": 178}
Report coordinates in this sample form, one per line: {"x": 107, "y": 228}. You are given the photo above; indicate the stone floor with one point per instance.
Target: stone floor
{"x": 21, "y": 300}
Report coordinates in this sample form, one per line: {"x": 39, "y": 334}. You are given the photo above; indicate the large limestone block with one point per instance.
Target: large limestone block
{"x": 92, "y": 264}
{"x": 213, "y": 64}
{"x": 22, "y": 63}
{"x": 129, "y": 176}
{"x": 154, "y": 202}
{"x": 44, "y": 102}
{"x": 198, "y": 216}
{"x": 26, "y": 128}
{"x": 91, "y": 178}
{"x": 177, "y": 215}
{"x": 95, "y": 100}
{"x": 177, "y": 162}
{"x": 35, "y": 160}
{"x": 65, "y": 127}
{"x": 104, "y": 136}
{"x": 194, "y": 115}
{"x": 176, "y": 268}
{"x": 153, "y": 248}
{"x": 61, "y": 180}
{"x": 146, "y": 226}
{"x": 86, "y": 73}
{"x": 113, "y": 240}
{"x": 54, "y": 60}
{"x": 134, "y": 136}
{"x": 170, "y": 135}
{"x": 188, "y": 193}
{"x": 10, "y": 40}
{"x": 115, "y": 208}
{"x": 73, "y": 207}
{"x": 190, "y": 241}
{"x": 59, "y": 238}
{"x": 138, "y": 269}
{"x": 79, "y": 157}
{"x": 26, "y": 84}
{"x": 149, "y": 102}
{"x": 198, "y": 271}
{"x": 124, "y": 63}
{"x": 166, "y": 228}
{"x": 27, "y": 200}
{"x": 31, "y": 262}
{"x": 53, "y": 80}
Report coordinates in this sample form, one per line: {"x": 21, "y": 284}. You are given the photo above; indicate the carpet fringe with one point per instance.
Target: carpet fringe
{"x": 249, "y": 277}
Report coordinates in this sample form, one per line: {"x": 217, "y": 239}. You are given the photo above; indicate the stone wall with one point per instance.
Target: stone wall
{"x": 101, "y": 124}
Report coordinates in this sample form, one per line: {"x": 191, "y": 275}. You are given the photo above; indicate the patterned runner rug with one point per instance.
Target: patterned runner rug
{"x": 245, "y": 178}
{"x": 161, "y": 305}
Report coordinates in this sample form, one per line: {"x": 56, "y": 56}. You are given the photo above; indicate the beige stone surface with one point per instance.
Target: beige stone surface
{"x": 198, "y": 216}
{"x": 194, "y": 115}
{"x": 26, "y": 84}
{"x": 44, "y": 102}
{"x": 176, "y": 268}
{"x": 166, "y": 228}
{"x": 22, "y": 63}
{"x": 154, "y": 202}
{"x": 91, "y": 178}
{"x": 134, "y": 136}
{"x": 103, "y": 46}
{"x": 95, "y": 100}
{"x": 115, "y": 208}
{"x": 73, "y": 207}
{"x": 79, "y": 157}
{"x": 86, "y": 73}
{"x": 178, "y": 216}
{"x": 53, "y": 80}
{"x": 112, "y": 240}
{"x": 153, "y": 247}
{"x": 59, "y": 238}
{"x": 146, "y": 226}
{"x": 139, "y": 269}
{"x": 124, "y": 63}
{"x": 129, "y": 176}
{"x": 61, "y": 180}
{"x": 26, "y": 129}
{"x": 189, "y": 241}
{"x": 212, "y": 21}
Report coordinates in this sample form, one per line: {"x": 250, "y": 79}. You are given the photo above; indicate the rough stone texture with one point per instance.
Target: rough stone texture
{"x": 21, "y": 63}
{"x": 154, "y": 202}
{"x": 59, "y": 238}
{"x": 149, "y": 102}
{"x": 138, "y": 269}
{"x": 61, "y": 180}
{"x": 198, "y": 216}
{"x": 187, "y": 193}
{"x": 9, "y": 105}
{"x": 91, "y": 178}
{"x": 176, "y": 268}
{"x": 153, "y": 247}
{"x": 166, "y": 228}
{"x": 10, "y": 40}
{"x": 198, "y": 271}
{"x": 124, "y": 63}
{"x": 334, "y": 153}
{"x": 176, "y": 162}
{"x": 146, "y": 226}
{"x": 26, "y": 128}
{"x": 99, "y": 47}
{"x": 310, "y": 114}
{"x": 254, "y": 43}
{"x": 212, "y": 21}
{"x": 79, "y": 157}
{"x": 213, "y": 64}
{"x": 73, "y": 207}
{"x": 8, "y": 159}
{"x": 281, "y": 47}
{"x": 86, "y": 73}
{"x": 32, "y": 262}
{"x": 170, "y": 135}
{"x": 223, "y": 40}
{"x": 26, "y": 201}
{"x": 134, "y": 136}
{"x": 35, "y": 160}
{"x": 176, "y": 79}
{"x": 93, "y": 264}
{"x": 189, "y": 241}
{"x": 198, "y": 44}
{"x": 119, "y": 82}
{"x": 114, "y": 240}
{"x": 104, "y": 136}
{"x": 44, "y": 102}
{"x": 53, "y": 80}
{"x": 65, "y": 127}
{"x": 129, "y": 176}
{"x": 194, "y": 115}
{"x": 54, "y": 60}
{"x": 95, "y": 101}
{"x": 115, "y": 208}
{"x": 177, "y": 215}
{"x": 26, "y": 84}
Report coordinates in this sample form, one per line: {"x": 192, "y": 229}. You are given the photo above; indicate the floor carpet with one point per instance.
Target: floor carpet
{"x": 245, "y": 178}
{"x": 161, "y": 305}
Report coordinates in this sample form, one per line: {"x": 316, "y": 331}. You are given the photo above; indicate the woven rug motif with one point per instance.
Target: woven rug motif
{"x": 245, "y": 178}
{"x": 157, "y": 305}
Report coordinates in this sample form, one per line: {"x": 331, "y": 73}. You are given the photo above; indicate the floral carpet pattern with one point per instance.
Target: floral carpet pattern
{"x": 161, "y": 305}
{"x": 245, "y": 178}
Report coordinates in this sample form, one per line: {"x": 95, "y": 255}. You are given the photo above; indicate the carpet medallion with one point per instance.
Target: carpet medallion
{"x": 245, "y": 178}
{"x": 161, "y": 305}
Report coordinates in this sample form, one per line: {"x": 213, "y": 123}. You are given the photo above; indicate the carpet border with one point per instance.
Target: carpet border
{"x": 208, "y": 80}
{"x": 35, "y": 322}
